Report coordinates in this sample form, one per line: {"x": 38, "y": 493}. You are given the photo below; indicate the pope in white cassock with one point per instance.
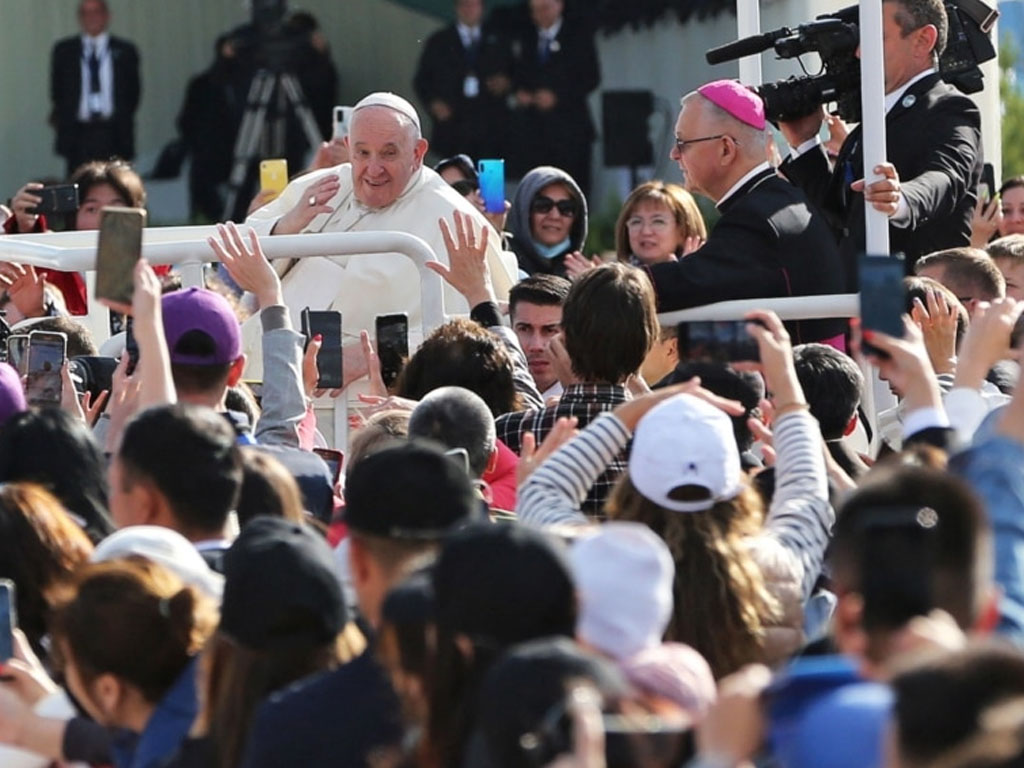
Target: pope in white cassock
{"x": 384, "y": 187}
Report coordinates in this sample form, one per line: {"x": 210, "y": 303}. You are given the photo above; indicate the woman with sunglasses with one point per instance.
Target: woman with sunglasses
{"x": 548, "y": 220}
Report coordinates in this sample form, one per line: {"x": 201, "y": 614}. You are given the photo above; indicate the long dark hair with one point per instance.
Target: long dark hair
{"x": 721, "y": 606}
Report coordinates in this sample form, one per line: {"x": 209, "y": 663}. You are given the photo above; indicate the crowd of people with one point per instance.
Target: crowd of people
{"x": 561, "y": 535}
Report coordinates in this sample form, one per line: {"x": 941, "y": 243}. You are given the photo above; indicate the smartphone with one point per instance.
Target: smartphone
{"x": 8, "y": 618}
{"x": 5, "y": 333}
{"x": 342, "y": 121}
{"x": 327, "y": 324}
{"x": 334, "y": 460}
{"x": 120, "y": 247}
{"x": 883, "y": 297}
{"x": 17, "y": 352}
{"x": 131, "y": 346}
{"x": 392, "y": 345}
{"x": 492, "y": 184}
{"x": 987, "y": 187}
{"x": 46, "y": 353}
{"x": 724, "y": 341}
{"x": 273, "y": 176}
{"x": 59, "y": 198}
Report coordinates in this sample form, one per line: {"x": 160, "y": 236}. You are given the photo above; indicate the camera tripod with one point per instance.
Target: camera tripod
{"x": 260, "y": 125}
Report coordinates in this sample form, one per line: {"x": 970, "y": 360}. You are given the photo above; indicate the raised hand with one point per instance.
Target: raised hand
{"x": 312, "y": 203}
{"x": 467, "y": 270}
{"x": 247, "y": 265}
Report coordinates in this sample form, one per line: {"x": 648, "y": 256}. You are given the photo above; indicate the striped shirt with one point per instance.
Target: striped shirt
{"x": 796, "y": 530}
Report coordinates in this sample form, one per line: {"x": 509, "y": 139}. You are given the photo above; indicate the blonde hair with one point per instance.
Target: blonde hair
{"x": 688, "y": 219}
{"x": 721, "y": 604}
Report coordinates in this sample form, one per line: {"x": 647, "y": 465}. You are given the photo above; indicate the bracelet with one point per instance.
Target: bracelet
{"x": 782, "y": 410}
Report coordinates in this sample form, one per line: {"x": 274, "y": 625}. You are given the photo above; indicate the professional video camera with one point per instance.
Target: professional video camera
{"x": 835, "y": 38}
{"x": 268, "y": 41}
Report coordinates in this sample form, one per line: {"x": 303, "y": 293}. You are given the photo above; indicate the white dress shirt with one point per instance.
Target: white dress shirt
{"x": 101, "y": 103}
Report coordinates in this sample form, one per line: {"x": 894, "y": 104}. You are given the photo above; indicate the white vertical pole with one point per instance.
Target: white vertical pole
{"x": 872, "y": 96}
{"x": 748, "y": 22}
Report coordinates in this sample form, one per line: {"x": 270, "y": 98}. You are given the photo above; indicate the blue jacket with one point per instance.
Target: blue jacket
{"x": 336, "y": 719}
{"x": 993, "y": 469}
{"x": 166, "y": 729}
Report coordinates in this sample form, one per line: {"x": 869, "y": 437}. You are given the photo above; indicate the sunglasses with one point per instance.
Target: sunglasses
{"x": 465, "y": 186}
{"x": 544, "y": 204}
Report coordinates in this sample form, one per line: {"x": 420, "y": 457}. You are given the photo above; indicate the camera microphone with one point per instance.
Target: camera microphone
{"x": 747, "y": 46}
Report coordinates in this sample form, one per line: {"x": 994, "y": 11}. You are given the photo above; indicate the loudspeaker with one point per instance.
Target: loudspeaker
{"x": 625, "y": 115}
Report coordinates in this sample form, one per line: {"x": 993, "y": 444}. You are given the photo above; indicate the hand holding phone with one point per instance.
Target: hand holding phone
{"x": 8, "y": 618}
{"x": 120, "y": 247}
{"x": 17, "y": 352}
{"x": 492, "y": 185}
{"x": 987, "y": 186}
{"x": 342, "y": 122}
{"x": 59, "y": 198}
{"x": 273, "y": 176}
{"x": 392, "y": 345}
{"x": 718, "y": 341}
{"x": 883, "y": 297}
{"x": 46, "y": 354}
{"x": 326, "y": 324}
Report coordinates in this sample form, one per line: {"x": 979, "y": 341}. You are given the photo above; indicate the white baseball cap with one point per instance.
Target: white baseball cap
{"x": 623, "y": 576}
{"x": 164, "y": 547}
{"x": 685, "y": 441}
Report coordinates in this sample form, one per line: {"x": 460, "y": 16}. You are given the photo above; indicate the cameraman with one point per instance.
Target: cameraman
{"x": 933, "y": 148}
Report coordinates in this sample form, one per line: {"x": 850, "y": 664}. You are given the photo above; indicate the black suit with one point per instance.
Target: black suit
{"x": 478, "y": 122}
{"x": 79, "y": 141}
{"x": 770, "y": 242}
{"x": 933, "y": 137}
{"x": 563, "y": 135}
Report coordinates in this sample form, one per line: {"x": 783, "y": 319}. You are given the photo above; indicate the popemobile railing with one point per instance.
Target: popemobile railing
{"x": 187, "y": 249}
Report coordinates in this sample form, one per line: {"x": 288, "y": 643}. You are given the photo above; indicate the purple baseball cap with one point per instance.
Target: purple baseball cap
{"x": 736, "y": 99}
{"x": 197, "y": 309}
{"x": 12, "y": 395}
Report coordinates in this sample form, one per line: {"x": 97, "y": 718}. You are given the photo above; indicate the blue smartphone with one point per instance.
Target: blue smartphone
{"x": 492, "y": 184}
{"x": 8, "y": 619}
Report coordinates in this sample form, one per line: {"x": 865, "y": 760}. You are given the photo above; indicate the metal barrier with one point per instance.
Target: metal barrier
{"x": 187, "y": 248}
{"x": 877, "y": 396}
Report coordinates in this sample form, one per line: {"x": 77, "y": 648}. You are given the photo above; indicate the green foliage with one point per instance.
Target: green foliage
{"x": 1012, "y": 111}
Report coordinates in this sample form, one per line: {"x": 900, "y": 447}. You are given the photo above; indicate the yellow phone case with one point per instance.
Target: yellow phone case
{"x": 273, "y": 176}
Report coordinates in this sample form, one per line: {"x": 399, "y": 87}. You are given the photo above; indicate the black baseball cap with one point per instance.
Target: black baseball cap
{"x": 280, "y": 588}
{"x": 504, "y": 584}
{"x": 410, "y": 491}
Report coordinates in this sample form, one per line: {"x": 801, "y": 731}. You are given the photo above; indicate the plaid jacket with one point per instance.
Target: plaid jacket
{"x": 586, "y": 402}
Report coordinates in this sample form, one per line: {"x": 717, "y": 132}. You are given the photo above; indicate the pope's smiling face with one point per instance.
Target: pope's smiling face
{"x": 385, "y": 152}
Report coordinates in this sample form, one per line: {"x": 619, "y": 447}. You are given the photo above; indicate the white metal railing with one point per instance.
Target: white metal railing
{"x": 187, "y": 248}
{"x": 789, "y": 308}
{"x": 876, "y": 397}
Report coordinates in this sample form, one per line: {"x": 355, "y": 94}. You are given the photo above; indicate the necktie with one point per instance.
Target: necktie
{"x": 545, "y": 48}
{"x": 94, "y": 71}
